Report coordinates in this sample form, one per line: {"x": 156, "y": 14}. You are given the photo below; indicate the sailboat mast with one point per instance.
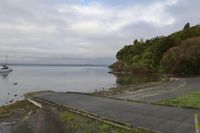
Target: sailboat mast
{"x": 6, "y": 59}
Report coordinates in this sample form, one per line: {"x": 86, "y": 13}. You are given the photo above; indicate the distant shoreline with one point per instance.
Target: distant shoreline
{"x": 70, "y": 65}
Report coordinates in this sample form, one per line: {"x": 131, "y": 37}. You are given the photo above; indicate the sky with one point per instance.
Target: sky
{"x": 85, "y": 31}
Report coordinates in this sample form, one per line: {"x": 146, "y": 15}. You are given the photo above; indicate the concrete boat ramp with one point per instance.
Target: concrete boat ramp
{"x": 134, "y": 114}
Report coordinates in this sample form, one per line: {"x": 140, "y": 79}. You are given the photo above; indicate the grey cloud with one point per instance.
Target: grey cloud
{"x": 37, "y": 30}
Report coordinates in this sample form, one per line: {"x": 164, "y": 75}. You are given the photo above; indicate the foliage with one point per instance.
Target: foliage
{"x": 183, "y": 59}
{"x": 146, "y": 56}
{"x": 187, "y": 26}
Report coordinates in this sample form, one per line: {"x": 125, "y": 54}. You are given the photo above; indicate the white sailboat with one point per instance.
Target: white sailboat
{"x": 5, "y": 68}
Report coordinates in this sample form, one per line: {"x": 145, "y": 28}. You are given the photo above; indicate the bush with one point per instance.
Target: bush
{"x": 147, "y": 56}
{"x": 183, "y": 59}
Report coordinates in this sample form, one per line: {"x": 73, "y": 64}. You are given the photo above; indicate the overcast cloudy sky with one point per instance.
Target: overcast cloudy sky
{"x": 85, "y": 31}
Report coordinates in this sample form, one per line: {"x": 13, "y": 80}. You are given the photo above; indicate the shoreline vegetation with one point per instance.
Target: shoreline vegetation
{"x": 21, "y": 108}
{"x": 25, "y": 117}
{"x": 157, "y": 55}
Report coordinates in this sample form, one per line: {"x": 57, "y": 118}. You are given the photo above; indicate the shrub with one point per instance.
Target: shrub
{"x": 184, "y": 58}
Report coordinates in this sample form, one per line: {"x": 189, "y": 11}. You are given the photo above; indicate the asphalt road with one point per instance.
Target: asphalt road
{"x": 160, "y": 118}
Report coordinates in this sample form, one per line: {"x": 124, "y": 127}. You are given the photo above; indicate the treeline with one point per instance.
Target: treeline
{"x": 168, "y": 54}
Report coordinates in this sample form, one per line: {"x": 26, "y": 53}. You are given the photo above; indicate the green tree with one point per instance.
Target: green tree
{"x": 147, "y": 60}
{"x": 187, "y": 26}
{"x": 135, "y": 41}
{"x": 183, "y": 59}
{"x": 149, "y": 54}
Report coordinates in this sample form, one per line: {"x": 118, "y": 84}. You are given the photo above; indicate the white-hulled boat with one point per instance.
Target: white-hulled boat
{"x": 5, "y": 68}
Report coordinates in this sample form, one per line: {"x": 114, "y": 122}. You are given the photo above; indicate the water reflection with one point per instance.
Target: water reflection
{"x": 61, "y": 79}
{"x": 4, "y": 75}
{"x": 127, "y": 79}
{"x": 26, "y": 79}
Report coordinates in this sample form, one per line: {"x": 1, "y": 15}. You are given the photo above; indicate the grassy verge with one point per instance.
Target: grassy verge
{"x": 77, "y": 123}
{"x": 21, "y": 108}
{"x": 191, "y": 100}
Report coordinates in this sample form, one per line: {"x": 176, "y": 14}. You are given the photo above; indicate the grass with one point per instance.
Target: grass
{"x": 72, "y": 123}
{"x": 22, "y": 107}
{"x": 79, "y": 124}
{"x": 191, "y": 100}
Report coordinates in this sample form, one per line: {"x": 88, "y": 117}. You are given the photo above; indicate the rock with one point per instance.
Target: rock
{"x": 15, "y": 83}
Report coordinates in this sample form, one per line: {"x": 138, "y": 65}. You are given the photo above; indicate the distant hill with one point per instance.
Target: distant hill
{"x": 157, "y": 55}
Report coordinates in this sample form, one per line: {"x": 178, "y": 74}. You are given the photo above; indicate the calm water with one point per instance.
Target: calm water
{"x": 61, "y": 79}
{"x": 36, "y": 78}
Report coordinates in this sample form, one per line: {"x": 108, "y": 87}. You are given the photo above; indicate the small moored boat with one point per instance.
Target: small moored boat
{"x": 5, "y": 68}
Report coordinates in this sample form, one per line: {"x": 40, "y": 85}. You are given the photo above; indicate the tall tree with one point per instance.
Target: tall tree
{"x": 187, "y": 26}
